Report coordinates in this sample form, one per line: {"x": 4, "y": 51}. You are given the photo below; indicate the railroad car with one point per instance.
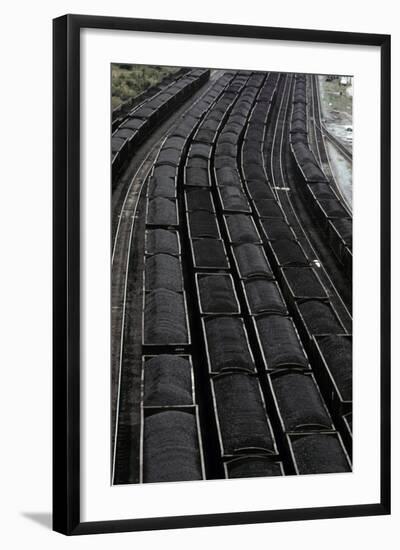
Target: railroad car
{"x": 227, "y": 344}
{"x": 263, "y": 295}
{"x": 279, "y": 342}
{"x": 143, "y": 119}
{"x": 162, "y": 241}
{"x": 209, "y": 253}
{"x": 299, "y": 402}
{"x": 318, "y": 453}
{"x": 163, "y": 433}
{"x": 167, "y": 381}
{"x": 242, "y": 421}
{"x": 216, "y": 294}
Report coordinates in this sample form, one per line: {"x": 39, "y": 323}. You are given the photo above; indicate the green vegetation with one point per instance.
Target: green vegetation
{"x": 128, "y": 81}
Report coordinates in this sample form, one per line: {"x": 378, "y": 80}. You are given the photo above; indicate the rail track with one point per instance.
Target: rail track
{"x": 319, "y": 135}
{"x": 283, "y": 184}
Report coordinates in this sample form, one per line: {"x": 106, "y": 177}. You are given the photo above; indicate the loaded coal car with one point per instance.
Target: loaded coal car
{"x": 165, "y": 319}
{"x": 299, "y": 402}
{"x": 242, "y": 421}
{"x": 263, "y": 295}
{"x": 209, "y": 253}
{"x": 216, "y": 294}
{"x": 333, "y": 364}
{"x": 318, "y": 453}
{"x": 167, "y": 381}
{"x": 279, "y": 342}
{"x": 162, "y": 241}
{"x": 144, "y": 118}
{"x": 171, "y": 445}
{"x": 326, "y": 207}
{"x": 227, "y": 345}
{"x": 317, "y": 316}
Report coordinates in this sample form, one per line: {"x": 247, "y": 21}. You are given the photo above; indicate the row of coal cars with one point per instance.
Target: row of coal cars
{"x": 216, "y": 206}
{"x": 328, "y": 209}
{"x": 146, "y": 116}
{"x": 262, "y": 309}
{"x": 262, "y": 244}
{"x": 171, "y": 443}
{"x": 327, "y": 344}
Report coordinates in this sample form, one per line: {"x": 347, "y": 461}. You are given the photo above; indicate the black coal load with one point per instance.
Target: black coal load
{"x": 203, "y": 224}
{"x": 224, "y": 162}
{"x": 217, "y": 294}
{"x": 344, "y": 227}
{"x": 197, "y": 177}
{"x": 168, "y": 156}
{"x": 162, "y": 187}
{"x": 241, "y": 229}
{"x": 320, "y": 318}
{"x": 252, "y": 154}
{"x": 312, "y": 172}
{"x": 280, "y": 342}
{"x": 289, "y": 253}
{"x": 174, "y": 142}
{"x": 302, "y": 150}
{"x": 298, "y": 126}
{"x": 170, "y": 448}
{"x": 199, "y": 199}
{"x": 253, "y": 467}
{"x": 276, "y": 229}
{"x": 259, "y": 189}
{"x": 227, "y": 343}
{"x": 263, "y": 296}
{"x": 234, "y": 199}
{"x": 319, "y": 454}
{"x": 251, "y": 260}
{"x": 163, "y": 271}
{"x": 209, "y": 124}
{"x": 228, "y": 137}
{"x": 165, "y": 318}
{"x": 133, "y": 123}
{"x": 197, "y": 163}
{"x": 333, "y": 208}
{"x": 255, "y": 134}
{"x": 241, "y": 414}
{"x": 228, "y": 176}
{"x": 299, "y": 402}
{"x": 304, "y": 282}
{"x": 164, "y": 171}
{"x": 209, "y": 253}
{"x": 205, "y": 136}
{"x": 201, "y": 150}
{"x": 337, "y": 352}
{"x": 268, "y": 208}
{"x": 162, "y": 211}
{"x": 322, "y": 191}
{"x": 162, "y": 241}
{"x": 167, "y": 381}
{"x": 253, "y": 171}
{"x": 228, "y": 149}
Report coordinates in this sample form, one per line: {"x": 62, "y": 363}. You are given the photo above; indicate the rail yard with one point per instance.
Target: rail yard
{"x": 231, "y": 297}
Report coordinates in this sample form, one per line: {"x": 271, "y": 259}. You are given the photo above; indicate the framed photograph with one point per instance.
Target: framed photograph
{"x": 221, "y": 274}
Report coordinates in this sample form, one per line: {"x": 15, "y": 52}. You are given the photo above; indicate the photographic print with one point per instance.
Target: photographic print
{"x": 231, "y": 273}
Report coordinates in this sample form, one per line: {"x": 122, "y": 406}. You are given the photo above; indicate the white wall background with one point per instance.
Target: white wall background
{"x": 25, "y": 290}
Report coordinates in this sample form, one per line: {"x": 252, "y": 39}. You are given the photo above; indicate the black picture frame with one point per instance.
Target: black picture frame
{"x": 66, "y": 273}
